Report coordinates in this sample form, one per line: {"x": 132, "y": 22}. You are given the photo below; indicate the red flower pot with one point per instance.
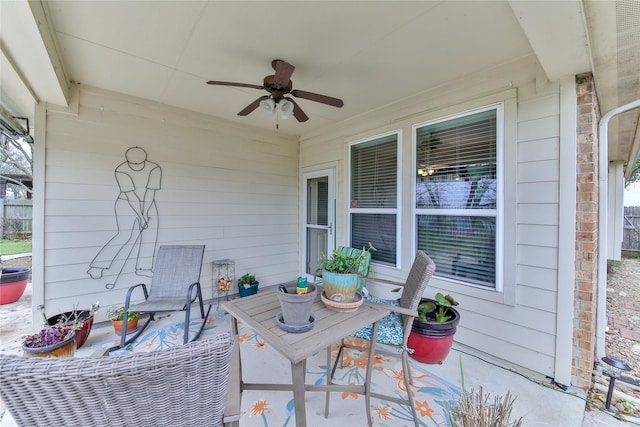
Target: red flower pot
{"x": 83, "y": 316}
{"x": 13, "y": 283}
{"x": 430, "y": 350}
{"x": 430, "y": 340}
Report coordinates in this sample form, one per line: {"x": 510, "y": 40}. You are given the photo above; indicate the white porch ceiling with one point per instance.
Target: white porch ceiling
{"x": 369, "y": 54}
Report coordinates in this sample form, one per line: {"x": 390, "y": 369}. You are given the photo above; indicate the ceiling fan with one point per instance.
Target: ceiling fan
{"x": 279, "y": 85}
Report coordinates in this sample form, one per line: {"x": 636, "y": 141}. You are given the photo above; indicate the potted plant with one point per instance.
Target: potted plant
{"x": 80, "y": 320}
{"x": 116, "y": 315}
{"x": 433, "y": 329}
{"x": 51, "y": 341}
{"x": 247, "y": 285}
{"x": 296, "y": 300}
{"x": 341, "y": 273}
{"x": 13, "y": 282}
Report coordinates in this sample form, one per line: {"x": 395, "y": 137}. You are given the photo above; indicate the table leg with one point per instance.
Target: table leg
{"x": 327, "y": 395}
{"x": 298, "y": 371}
{"x": 234, "y": 330}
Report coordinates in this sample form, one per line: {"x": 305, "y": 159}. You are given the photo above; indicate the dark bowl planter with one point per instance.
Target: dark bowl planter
{"x": 66, "y": 348}
{"x": 430, "y": 340}
{"x": 80, "y": 316}
{"x": 13, "y": 283}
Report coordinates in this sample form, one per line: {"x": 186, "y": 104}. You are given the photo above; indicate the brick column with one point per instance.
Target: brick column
{"x": 585, "y": 291}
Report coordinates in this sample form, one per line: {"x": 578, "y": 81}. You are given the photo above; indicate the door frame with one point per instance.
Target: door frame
{"x": 330, "y": 173}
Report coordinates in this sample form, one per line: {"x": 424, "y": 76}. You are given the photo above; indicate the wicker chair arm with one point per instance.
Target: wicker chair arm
{"x": 393, "y": 308}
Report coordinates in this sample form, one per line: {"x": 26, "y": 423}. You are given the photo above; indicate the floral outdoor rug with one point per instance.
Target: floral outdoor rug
{"x": 260, "y": 363}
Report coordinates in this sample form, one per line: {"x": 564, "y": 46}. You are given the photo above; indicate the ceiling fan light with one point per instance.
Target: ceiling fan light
{"x": 286, "y": 108}
{"x": 268, "y": 106}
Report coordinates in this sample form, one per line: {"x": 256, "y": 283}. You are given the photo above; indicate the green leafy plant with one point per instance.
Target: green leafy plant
{"x": 117, "y": 313}
{"x": 247, "y": 280}
{"x": 436, "y": 311}
{"x": 341, "y": 262}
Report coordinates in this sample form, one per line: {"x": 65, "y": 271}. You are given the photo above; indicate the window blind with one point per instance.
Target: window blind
{"x": 374, "y": 173}
{"x": 456, "y": 196}
{"x": 373, "y": 197}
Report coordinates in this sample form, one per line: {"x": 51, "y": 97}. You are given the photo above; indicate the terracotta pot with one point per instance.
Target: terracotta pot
{"x": 13, "y": 283}
{"x": 80, "y": 316}
{"x": 66, "y": 348}
{"x": 132, "y": 325}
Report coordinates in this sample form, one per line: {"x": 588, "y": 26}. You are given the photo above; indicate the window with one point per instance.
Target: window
{"x": 457, "y": 195}
{"x": 373, "y": 194}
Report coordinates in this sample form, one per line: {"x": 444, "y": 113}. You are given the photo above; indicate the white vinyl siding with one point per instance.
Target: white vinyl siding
{"x": 229, "y": 187}
{"x": 518, "y": 323}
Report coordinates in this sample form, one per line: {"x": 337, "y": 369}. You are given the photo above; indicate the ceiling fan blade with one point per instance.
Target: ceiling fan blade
{"x": 283, "y": 72}
{"x": 297, "y": 111}
{"x": 213, "y": 82}
{"x": 249, "y": 108}
{"x": 335, "y": 102}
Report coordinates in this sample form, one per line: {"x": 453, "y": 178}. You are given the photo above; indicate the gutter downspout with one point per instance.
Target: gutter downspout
{"x": 603, "y": 172}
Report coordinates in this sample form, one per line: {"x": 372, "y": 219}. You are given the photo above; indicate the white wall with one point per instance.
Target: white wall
{"x": 519, "y": 324}
{"x": 615, "y": 210}
{"x": 230, "y": 187}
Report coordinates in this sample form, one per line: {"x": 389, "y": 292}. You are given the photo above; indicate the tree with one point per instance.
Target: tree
{"x": 16, "y": 160}
{"x": 635, "y": 174}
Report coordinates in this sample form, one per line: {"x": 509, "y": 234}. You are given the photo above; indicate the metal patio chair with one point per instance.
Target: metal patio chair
{"x": 180, "y": 386}
{"x": 174, "y": 287}
{"x": 396, "y": 326}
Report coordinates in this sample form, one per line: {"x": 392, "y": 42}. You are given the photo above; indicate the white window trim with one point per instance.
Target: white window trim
{"x": 506, "y": 158}
{"x": 397, "y": 211}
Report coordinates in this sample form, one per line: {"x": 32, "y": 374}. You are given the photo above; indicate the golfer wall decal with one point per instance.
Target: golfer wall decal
{"x": 136, "y": 217}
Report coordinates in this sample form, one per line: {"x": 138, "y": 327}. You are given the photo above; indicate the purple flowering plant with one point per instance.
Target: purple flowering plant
{"x": 49, "y": 336}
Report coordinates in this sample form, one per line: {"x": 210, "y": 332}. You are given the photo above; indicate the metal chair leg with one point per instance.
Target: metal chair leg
{"x": 408, "y": 382}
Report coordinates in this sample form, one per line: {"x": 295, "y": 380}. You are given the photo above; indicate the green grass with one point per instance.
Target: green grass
{"x": 12, "y": 247}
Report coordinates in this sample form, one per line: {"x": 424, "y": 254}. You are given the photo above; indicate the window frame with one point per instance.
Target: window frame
{"x": 397, "y": 211}
{"x": 505, "y": 268}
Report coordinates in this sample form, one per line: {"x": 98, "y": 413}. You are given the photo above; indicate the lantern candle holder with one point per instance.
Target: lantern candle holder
{"x": 224, "y": 274}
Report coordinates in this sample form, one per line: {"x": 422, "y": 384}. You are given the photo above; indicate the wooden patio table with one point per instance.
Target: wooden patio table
{"x": 259, "y": 311}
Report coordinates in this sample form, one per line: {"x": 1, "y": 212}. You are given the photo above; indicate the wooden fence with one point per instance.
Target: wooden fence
{"x": 16, "y": 219}
{"x": 631, "y": 233}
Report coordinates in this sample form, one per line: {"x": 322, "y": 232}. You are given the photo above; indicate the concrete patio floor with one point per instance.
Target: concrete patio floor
{"x": 537, "y": 401}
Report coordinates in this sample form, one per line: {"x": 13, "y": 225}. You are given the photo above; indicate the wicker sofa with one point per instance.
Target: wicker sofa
{"x": 182, "y": 386}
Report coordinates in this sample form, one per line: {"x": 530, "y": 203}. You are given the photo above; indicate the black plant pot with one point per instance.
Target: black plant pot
{"x": 431, "y": 328}
{"x": 14, "y": 274}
